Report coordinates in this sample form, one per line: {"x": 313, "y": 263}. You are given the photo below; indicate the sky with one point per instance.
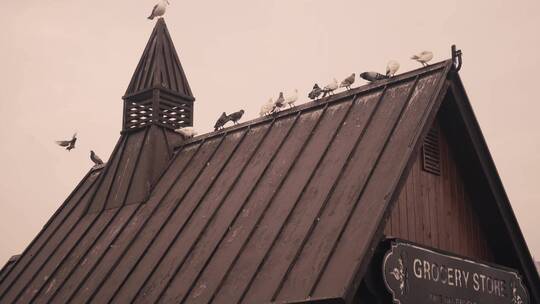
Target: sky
{"x": 66, "y": 64}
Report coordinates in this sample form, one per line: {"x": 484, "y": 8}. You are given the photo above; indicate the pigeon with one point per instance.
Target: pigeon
{"x": 279, "y": 103}
{"x": 222, "y": 120}
{"x": 267, "y": 107}
{"x": 315, "y": 93}
{"x": 423, "y": 57}
{"x": 391, "y": 68}
{"x": 291, "y": 100}
{"x": 69, "y": 144}
{"x": 187, "y": 132}
{"x": 373, "y": 76}
{"x": 97, "y": 161}
{"x": 348, "y": 82}
{"x": 159, "y": 9}
{"x": 235, "y": 117}
{"x": 330, "y": 88}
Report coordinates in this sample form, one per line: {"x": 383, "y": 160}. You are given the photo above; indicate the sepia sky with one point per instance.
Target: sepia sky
{"x": 66, "y": 64}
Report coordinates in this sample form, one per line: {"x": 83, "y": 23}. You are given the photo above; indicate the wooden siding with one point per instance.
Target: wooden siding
{"x": 436, "y": 211}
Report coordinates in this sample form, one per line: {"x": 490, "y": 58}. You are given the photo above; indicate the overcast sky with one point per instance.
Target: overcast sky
{"x": 66, "y": 64}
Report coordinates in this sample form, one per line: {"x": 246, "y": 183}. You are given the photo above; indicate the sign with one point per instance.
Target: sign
{"x": 416, "y": 275}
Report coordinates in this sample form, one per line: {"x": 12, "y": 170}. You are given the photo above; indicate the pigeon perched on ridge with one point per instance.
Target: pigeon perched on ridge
{"x": 187, "y": 132}
{"x": 373, "y": 76}
{"x": 316, "y": 92}
{"x": 235, "y": 117}
{"x": 68, "y": 144}
{"x": 391, "y": 68}
{"x": 330, "y": 88}
{"x": 279, "y": 103}
{"x": 423, "y": 57}
{"x": 222, "y": 120}
{"x": 97, "y": 161}
{"x": 267, "y": 107}
{"x": 348, "y": 82}
{"x": 159, "y": 9}
{"x": 292, "y": 99}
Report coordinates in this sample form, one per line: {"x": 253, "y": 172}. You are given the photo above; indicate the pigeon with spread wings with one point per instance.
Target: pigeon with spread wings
{"x": 68, "y": 144}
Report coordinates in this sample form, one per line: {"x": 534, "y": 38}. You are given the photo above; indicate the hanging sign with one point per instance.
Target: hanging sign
{"x": 416, "y": 275}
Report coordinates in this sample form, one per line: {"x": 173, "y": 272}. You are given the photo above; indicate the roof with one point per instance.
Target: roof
{"x": 160, "y": 66}
{"x": 288, "y": 208}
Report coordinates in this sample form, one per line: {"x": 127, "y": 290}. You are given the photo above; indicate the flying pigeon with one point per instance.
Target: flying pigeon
{"x": 222, "y": 120}
{"x": 159, "y": 9}
{"x": 316, "y": 92}
{"x": 291, "y": 100}
{"x": 279, "y": 103}
{"x": 69, "y": 144}
{"x": 423, "y": 57}
{"x": 267, "y": 107}
{"x": 330, "y": 88}
{"x": 391, "y": 68}
{"x": 373, "y": 76}
{"x": 187, "y": 132}
{"x": 348, "y": 82}
{"x": 235, "y": 117}
{"x": 97, "y": 161}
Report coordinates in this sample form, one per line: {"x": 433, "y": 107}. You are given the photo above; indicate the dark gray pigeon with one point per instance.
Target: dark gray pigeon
{"x": 279, "y": 103}
{"x": 235, "y": 117}
{"x": 68, "y": 144}
{"x": 97, "y": 161}
{"x": 222, "y": 120}
{"x": 315, "y": 93}
{"x": 373, "y": 76}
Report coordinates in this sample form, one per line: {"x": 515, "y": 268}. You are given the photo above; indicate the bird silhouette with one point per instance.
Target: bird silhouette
{"x": 315, "y": 92}
{"x": 235, "y": 117}
{"x": 423, "y": 57}
{"x": 159, "y": 9}
{"x": 391, "y": 68}
{"x": 373, "y": 76}
{"x": 348, "y": 82}
{"x": 68, "y": 144}
{"x": 279, "y": 103}
{"x": 97, "y": 161}
{"x": 222, "y": 120}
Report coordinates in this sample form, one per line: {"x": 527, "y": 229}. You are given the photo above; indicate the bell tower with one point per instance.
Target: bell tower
{"x": 159, "y": 93}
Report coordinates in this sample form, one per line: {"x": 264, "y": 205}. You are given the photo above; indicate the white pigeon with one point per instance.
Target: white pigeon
{"x": 391, "y": 68}
{"x": 292, "y": 99}
{"x": 187, "y": 132}
{"x": 423, "y": 57}
{"x": 159, "y": 9}
{"x": 267, "y": 107}
{"x": 330, "y": 88}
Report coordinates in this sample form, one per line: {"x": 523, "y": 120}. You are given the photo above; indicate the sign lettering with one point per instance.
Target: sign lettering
{"x": 417, "y": 275}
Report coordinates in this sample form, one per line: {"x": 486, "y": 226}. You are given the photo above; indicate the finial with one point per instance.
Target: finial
{"x": 456, "y": 58}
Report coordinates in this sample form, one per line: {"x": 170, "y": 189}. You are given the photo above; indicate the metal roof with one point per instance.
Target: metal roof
{"x": 277, "y": 209}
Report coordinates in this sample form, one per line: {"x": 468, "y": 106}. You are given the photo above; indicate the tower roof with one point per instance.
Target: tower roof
{"x": 159, "y": 66}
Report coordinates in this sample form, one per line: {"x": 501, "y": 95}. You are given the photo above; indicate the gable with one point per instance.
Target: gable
{"x": 437, "y": 211}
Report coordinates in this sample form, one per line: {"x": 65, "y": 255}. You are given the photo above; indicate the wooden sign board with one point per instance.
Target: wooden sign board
{"x": 417, "y": 275}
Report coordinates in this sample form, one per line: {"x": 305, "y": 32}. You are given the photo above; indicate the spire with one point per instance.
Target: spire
{"x": 159, "y": 87}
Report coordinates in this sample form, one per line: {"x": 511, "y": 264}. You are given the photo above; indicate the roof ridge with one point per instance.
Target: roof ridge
{"x": 338, "y": 97}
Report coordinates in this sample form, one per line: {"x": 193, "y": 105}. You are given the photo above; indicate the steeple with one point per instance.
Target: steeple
{"x": 159, "y": 92}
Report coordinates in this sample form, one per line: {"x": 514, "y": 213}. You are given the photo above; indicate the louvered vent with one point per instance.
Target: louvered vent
{"x": 431, "y": 152}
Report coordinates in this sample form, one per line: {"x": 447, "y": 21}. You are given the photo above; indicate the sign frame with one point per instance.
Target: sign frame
{"x": 398, "y": 277}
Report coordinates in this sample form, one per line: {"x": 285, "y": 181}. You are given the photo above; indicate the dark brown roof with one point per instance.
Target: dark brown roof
{"x": 287, "y": 208}
{"x": 160, "y": 66}
{"x": 278, "y": 209}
